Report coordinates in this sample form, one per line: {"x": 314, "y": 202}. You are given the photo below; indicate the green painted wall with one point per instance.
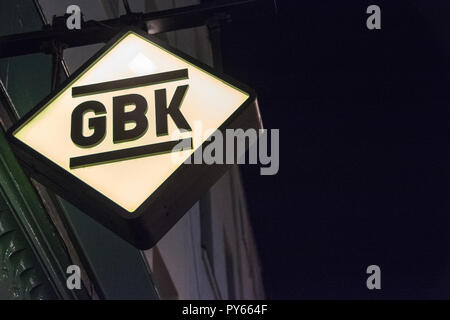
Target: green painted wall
{"x": 117, "y": 268}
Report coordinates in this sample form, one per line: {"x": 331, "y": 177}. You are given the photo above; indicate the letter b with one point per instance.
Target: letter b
{"x": 122, "y": 117}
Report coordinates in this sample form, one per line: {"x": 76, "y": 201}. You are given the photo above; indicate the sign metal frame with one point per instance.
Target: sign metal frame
{"x": 171, "y": 200}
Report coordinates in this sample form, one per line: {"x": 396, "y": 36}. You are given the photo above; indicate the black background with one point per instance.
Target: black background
{"x": 364, "y": 129}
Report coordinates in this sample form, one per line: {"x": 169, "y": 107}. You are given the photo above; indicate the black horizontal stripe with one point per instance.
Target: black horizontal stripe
{"x": 129, "y": 153}
{"x": 147, "y": 80}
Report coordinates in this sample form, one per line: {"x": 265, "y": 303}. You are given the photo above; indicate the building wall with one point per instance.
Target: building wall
{"x": 230, "y": 269}
{"x": 33, "y": 257}
{"x": 210, "y": 253}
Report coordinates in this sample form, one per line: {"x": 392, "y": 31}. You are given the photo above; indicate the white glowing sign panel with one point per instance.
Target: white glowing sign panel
{"x": 115, "y": 123}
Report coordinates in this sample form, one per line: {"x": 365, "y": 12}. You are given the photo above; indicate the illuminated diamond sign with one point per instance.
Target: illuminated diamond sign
{"x": 105, "y": 140}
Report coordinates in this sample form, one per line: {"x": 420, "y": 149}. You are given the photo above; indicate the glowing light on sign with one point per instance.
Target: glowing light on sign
{"x": 114, "y": 139}
{"x": 129, "y": 181}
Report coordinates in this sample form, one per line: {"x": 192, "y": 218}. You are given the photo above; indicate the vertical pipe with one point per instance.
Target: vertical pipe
{"x": 56, "y": 66}
{"x": 214, "y": 29}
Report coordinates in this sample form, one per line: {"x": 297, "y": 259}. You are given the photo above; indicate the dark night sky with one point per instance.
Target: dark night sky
{"x": 364, "y": 126}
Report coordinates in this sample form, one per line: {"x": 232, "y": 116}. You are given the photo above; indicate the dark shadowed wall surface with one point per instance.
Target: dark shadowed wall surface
{"x": 364, "y": 126}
